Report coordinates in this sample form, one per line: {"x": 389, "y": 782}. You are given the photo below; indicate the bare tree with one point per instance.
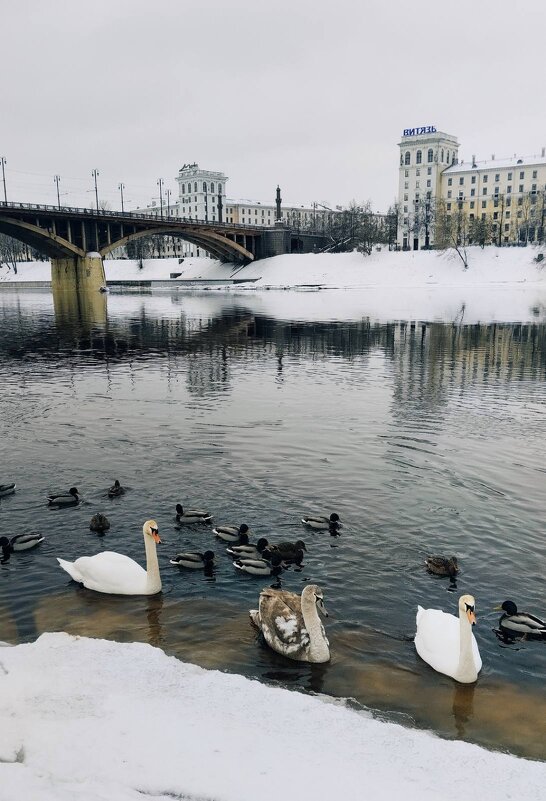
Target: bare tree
{"x": 452, "y": 228}
{"x": 11, "y": 252}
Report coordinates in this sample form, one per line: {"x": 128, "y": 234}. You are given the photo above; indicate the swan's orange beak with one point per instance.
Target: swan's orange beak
{"x": 155, "y": 535}
{"x": 471, "y": 617}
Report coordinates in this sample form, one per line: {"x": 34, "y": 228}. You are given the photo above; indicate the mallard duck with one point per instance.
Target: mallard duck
{"x": 291, "y": 625}
{"x": 289, "y": 551}
{"x": 513, "y": 622}
{"x": 116, "y": 490}
{"x": 442, "y": 565}
{"x": 7, "y": 489}
{"x": 192, "y": 515}
{"x": 322, "y": 522}
{"x": 20, "y": 542}
{"x": 447, "y": 643}
{"x": 117, "y": 574}
{"x": 236, "y": 534}
{"x": 70, "y": 498}
{"x": 259, "y": 567}
{"x": 193, "y": 559}
{"x": 248, "y": 550}
{"x": 99, "y": 523}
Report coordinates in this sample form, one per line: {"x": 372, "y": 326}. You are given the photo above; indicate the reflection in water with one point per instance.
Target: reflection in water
{"x": 463, "y": 706}
{"x": 79, "y": 306}
{"x": 425, "y": 437}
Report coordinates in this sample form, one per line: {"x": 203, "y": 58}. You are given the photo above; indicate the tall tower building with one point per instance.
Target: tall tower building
{"x": 424, "y": 154}
{"x": 199, "y": 191}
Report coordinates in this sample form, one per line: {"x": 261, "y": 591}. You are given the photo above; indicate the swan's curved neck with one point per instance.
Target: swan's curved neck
{"x": 153, "y": 579}
{"x": 466, "y": 671}
{"x": 319, "y": 650}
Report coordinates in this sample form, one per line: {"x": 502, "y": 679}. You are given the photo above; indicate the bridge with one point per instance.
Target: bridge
{"x": 76, "y": 240}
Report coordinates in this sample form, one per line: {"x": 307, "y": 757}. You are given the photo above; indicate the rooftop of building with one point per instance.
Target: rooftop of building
{"x": 494, "y": 163}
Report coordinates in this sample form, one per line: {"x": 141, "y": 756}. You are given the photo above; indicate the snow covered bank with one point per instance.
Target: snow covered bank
{"x": 499, "y": 266}
{"x": 90, "y": 719}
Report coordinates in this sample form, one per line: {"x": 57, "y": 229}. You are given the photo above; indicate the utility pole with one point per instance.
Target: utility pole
{"x": 95, "y": 173}
{"x": 57, "y": 178}
{"x": 121, "y": 187}
{"x": 160, "y": 185}
{"x": 168, "y": 193}
{"x": 3, "y": 160}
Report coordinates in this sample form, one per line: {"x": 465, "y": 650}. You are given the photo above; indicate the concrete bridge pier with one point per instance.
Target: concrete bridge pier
{"x": 78, "y": 272}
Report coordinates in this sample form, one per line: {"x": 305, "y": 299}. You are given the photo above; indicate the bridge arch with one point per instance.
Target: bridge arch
{"x": 220, "y": 246}
{"x": 40, "y": 238}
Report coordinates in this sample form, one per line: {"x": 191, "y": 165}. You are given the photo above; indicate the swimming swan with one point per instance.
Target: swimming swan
{"x": 291, "y": 625}
{"x": 447, "y": 644}
{"x": 116, "y": 574}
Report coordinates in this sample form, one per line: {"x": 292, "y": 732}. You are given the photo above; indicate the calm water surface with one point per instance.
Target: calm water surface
{"x": 424, "y": 437}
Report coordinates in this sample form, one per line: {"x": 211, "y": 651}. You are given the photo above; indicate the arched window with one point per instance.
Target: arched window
{"x": 419, "y": 157}
{"x": 212, "y": 187}
{"x": 430, "y": 155}
{"x": 448, "y": 156}
{"x": 407, "y": 157}
{"x": 204, "y": 186}
{"x": 442, "y": 155}
{"x": 183, "y": 189}
{"x": 195, "y": 186}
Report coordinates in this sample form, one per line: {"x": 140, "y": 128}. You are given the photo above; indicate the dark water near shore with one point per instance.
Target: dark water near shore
{"x": 424, "y": 437}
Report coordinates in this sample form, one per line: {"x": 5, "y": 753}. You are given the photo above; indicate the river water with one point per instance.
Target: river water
{"x": 425, "y": 437}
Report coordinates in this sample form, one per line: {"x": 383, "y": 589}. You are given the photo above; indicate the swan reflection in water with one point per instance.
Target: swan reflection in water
{"x": 463, "y": 706}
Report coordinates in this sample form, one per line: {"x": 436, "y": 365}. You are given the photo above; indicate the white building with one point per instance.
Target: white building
{"x": 509, "y": 194}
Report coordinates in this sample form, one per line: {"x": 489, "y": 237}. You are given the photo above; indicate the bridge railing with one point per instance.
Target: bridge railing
{"x": 131, "y": 215}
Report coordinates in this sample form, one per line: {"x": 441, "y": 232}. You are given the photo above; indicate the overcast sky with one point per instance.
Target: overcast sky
{"x": 309, "y": 94}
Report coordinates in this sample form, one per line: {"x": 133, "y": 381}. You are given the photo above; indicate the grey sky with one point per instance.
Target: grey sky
{"x": 310, "y": 95}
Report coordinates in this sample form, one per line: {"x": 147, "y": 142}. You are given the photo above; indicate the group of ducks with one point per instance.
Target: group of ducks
{"x": 290, "y": 623}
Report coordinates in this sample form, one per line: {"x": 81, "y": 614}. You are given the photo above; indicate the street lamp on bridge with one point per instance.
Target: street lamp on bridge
{"x": 56, "y": 179}
{"x": 3, "y": 160}
{"x": 95, "y": 173}
{"x": 160, "y": 185}
{"x": 121, "y": 187}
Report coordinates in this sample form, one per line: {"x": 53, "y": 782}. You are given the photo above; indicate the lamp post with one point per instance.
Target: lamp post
{"x": 160, "y": 185}
{"x": 121, "y": 187}
{"x": 3, "y": 160}
{"x": 168, "y": 193}
{"x": 95, "y": 173}
{"x": 56, "y": 179}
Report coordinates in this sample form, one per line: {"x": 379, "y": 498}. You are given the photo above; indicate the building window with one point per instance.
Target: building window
{"x": 521, "y": 176}
{"x": 429, "y": 170}
{"x": 495, "y": 215}
{"x": 509, "y": 176}
{"x": 520, "y": 201}
{"x": 472, "y": 192}
{"x": 419, "y": 157}
{"x": 471, "y": 216}
{"x": 405, "y": 197}
{"x": 484, "y": 204}
{"x": 417, "y": 184}
{"x": 496, "y": 190}
{"x": 472, "y": 204}
{"x": 418, "y": 172}
{"x": 461, "y": 181}
{"x": 497, "y": 176}
{"x": 534, "y": 174}
{"x": 405, "y": 209}
{"x": 450, "y": 181}
{"x": 520, "y": 214}
{"x": 407, "y": 157}
{"x": 406, "y": 184}
{"x": 484, "y": 191}
{"x": 507, "y": 214}
{"x": 473, "y": 180}
{"x": 520, "y": 188}
{"x": 448, "y": 156}
{"x": 485, "y": 179}
{"x": 212, "y": 187}
{"x": 194, "y": 187}
{"x": 429, "y": 183}
{"x": 183, "y": 189}
{"x": 508, "y": 189}
{"x": 533, "y": 188}
{"x": 430, "y": 155}
{"x": 442, "y": 155}
{"x": 204, "y": 186}
{"x": 406, "y": 173}
{"x": 507, "y": 226}
{"x": 449, "y": 193}
{"x": 461, "y": 194}
{"x": 496, "y": 203}
{"x": 483, "y": 216}
{"x": 449, "y": 206}
{"x": 508, "y": 201}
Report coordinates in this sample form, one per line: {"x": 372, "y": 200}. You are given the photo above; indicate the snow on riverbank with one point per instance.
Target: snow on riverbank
{"x": 499, "y": 266}
{"x": 89, "y": 719}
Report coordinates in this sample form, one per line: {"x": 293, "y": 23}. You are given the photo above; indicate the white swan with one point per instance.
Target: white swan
{"x": 116, "y": 574}
{"x": 291, "y": 625}
{"x": 447, "y": 644}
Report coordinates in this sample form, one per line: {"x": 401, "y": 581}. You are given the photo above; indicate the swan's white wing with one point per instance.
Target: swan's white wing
{"x": 282, "y": 623}
{"x": 111, "y": 572}
{"x": 437, "y": 640}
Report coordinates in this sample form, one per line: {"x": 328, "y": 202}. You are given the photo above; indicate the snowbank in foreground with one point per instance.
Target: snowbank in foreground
{"x": 90, "y": 719}
{"x": 492, "y": 265}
